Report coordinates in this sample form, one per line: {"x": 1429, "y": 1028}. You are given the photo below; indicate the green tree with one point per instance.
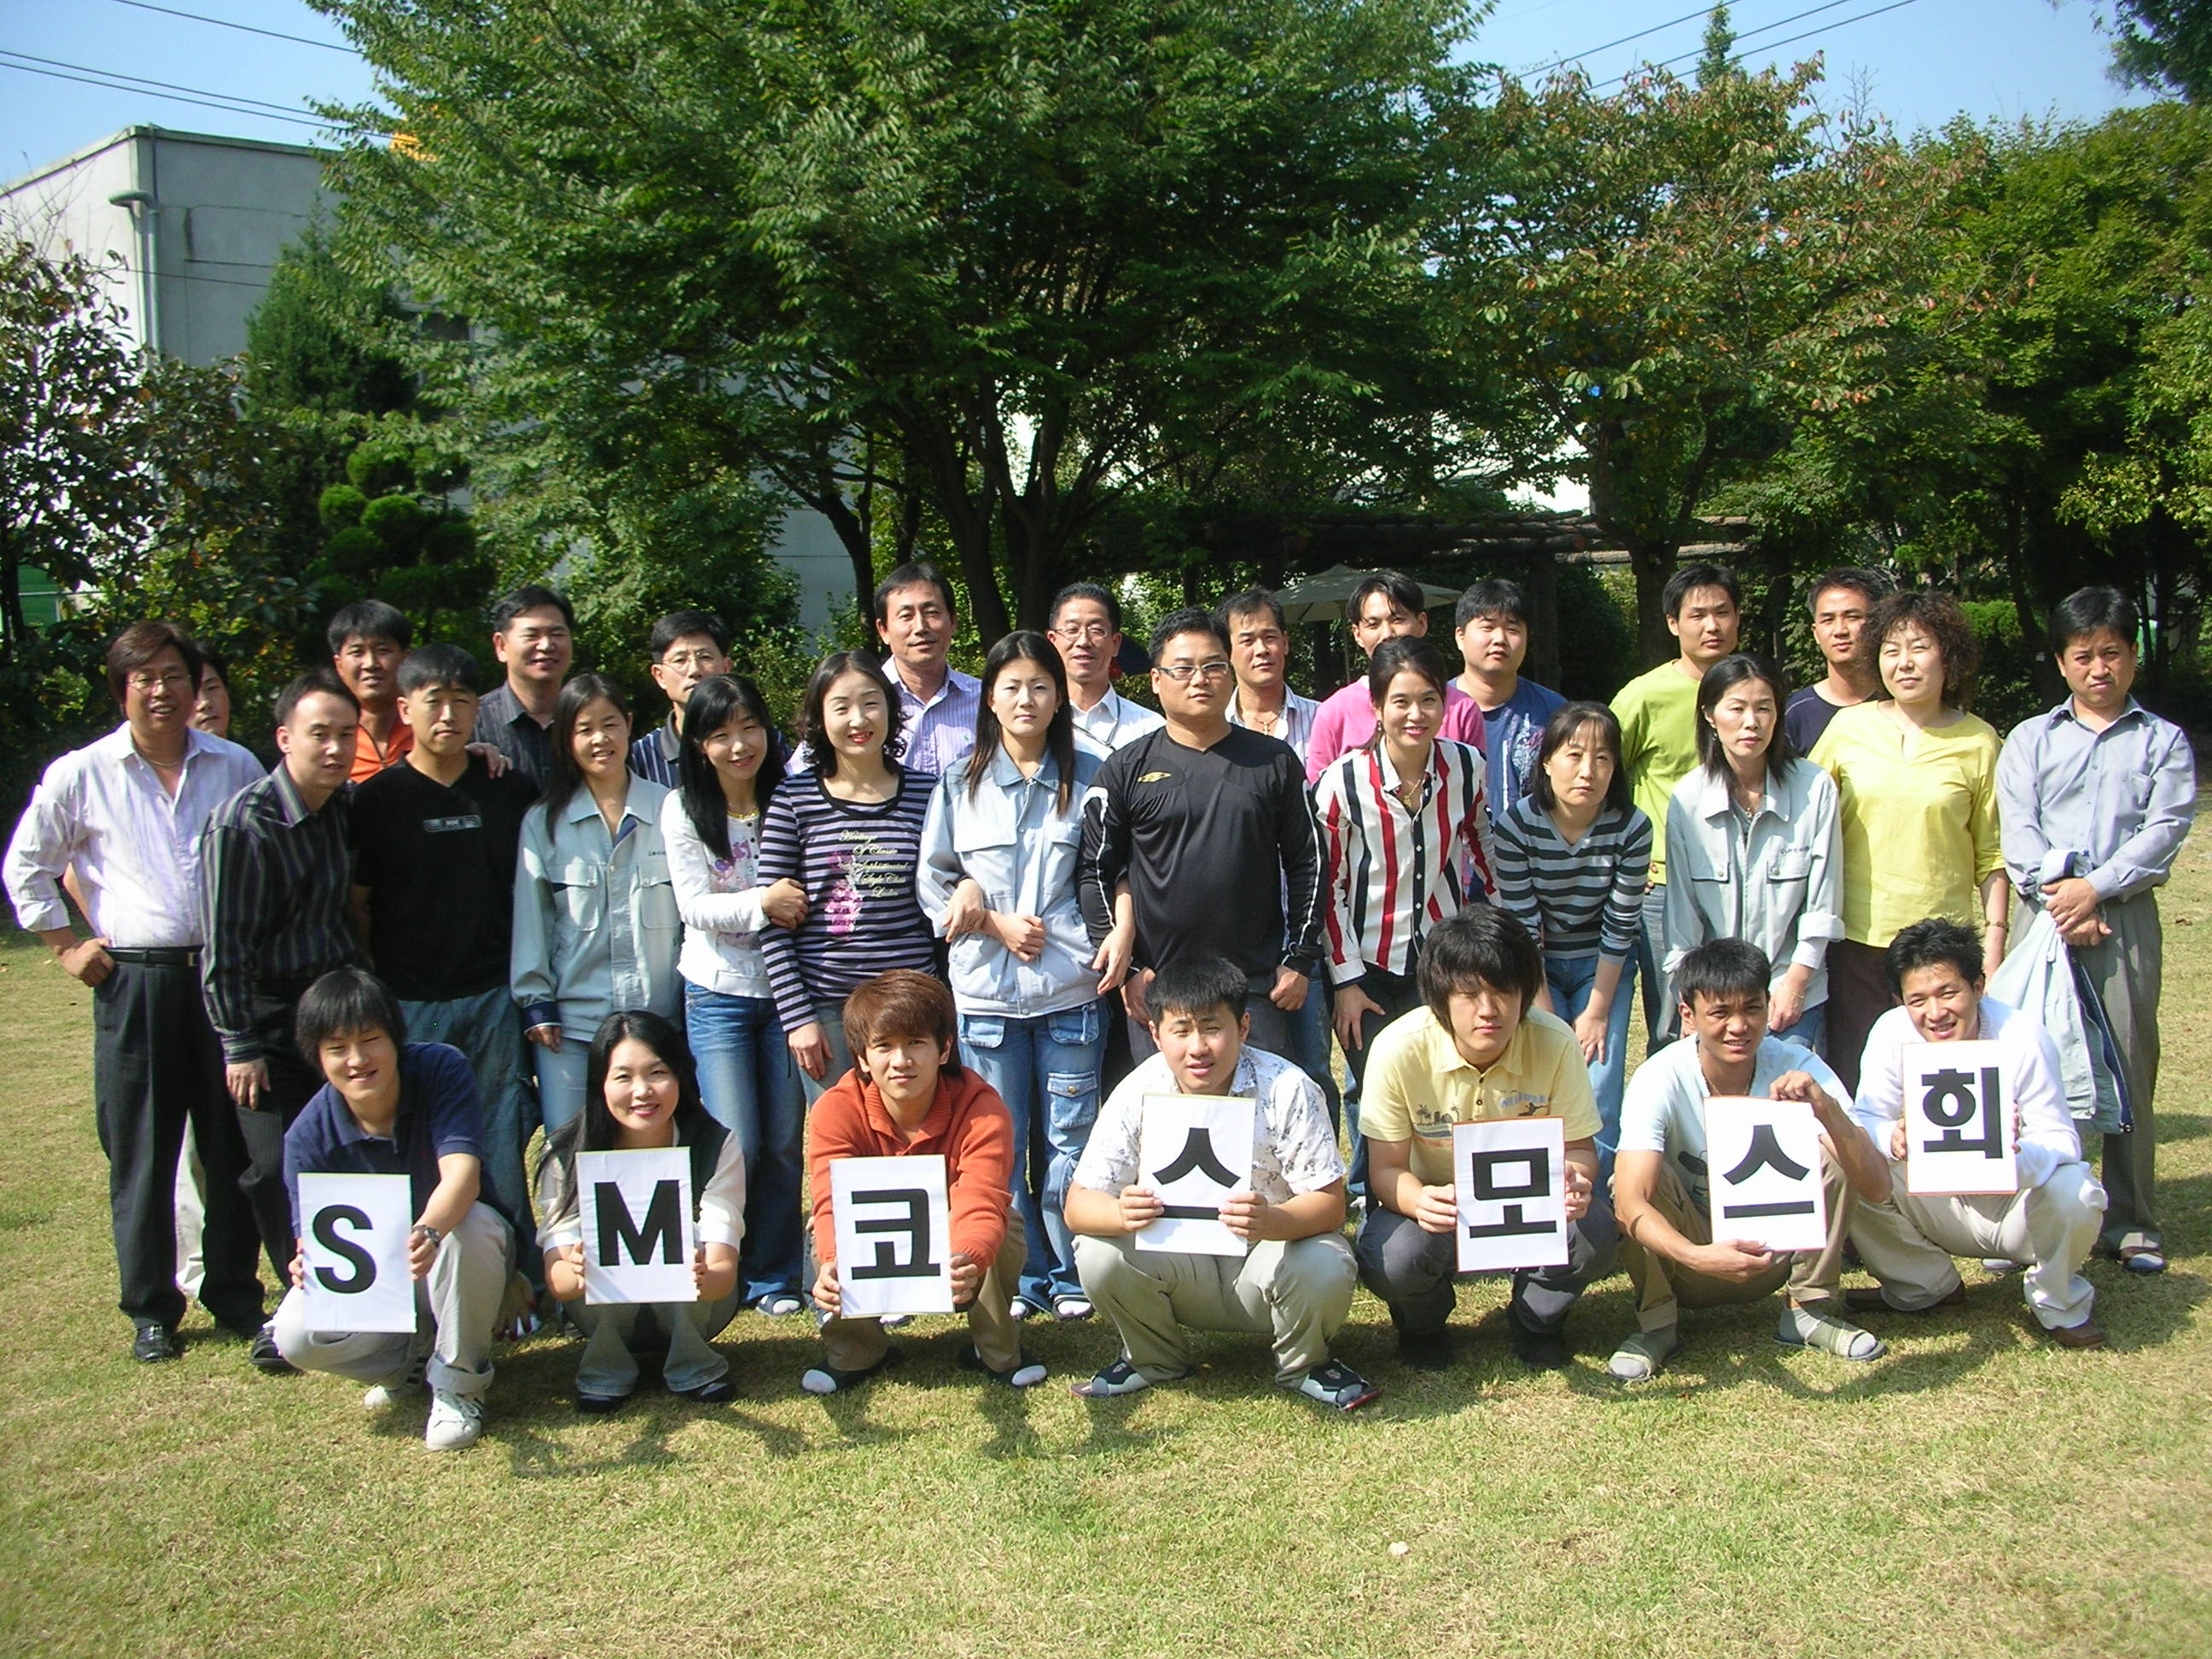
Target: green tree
{"x": 998, "y": 263}
{"x": 2163, "y": 43}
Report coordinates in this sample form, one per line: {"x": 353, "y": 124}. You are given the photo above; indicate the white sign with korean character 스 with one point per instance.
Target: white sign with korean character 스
{"x": 1958, "y": 1120}
{"x": 1509, "y": 1176}
{"x": 1764, "y": 1160}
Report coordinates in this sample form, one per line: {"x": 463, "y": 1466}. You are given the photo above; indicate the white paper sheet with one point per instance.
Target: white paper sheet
{"x": 894, "y": 1227}
{"x": 1194, "y": 1152}
{"x": 1511, "y": 1176}
{"x": 356, "y": 1247}
{"x": 639, "y": 1234}
{"x": 1763, "y": 1156}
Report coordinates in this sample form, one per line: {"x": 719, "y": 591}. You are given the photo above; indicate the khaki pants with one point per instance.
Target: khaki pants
{"x": 856, "y": 1343}
{"x": 1664, "y": 1287}
{"x": 1908, "y": 1243}
{"x": 1298, "y": 1292}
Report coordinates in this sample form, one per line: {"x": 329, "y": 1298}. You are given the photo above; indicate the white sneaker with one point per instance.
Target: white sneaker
{"x": 395, "y": 1388}
{"x": 456, "y": 1420}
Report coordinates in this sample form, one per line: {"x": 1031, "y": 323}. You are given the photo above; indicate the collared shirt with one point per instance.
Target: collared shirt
{"x": 1395, "y": 874}
{"x": 368, "y": 760}
{"x": 1114, "y": 720}
{"x": 1920, "y": 829}
{"x": 1293, "y": 1147}
{"x": 1658, "y": 715}
{"x": 440, "y": 1115}
{"x": 655, "y": 757}
{"x": 720, "y": 902}
{"x": 1013, "y": 838}
{"x": 1293, "y": 723}
{"x": 1582, "y": 898}
{"x": 101, "y": 809}
{"x": 1513, "y": 734}
{"x": 596, "y": 927}
{"x": 1418, "y": 1086}
{"x": 1664, "y": 1110}
{"x": 2122, "y": 799}
{"x": 940, "y": 730}
{"x": 2043, "y": 1127}
{"x": 278, "y": 883}
{"x": 1775, "y": 879}
{"x": 1345, "y": 720}
{"x": 507, "y": 726}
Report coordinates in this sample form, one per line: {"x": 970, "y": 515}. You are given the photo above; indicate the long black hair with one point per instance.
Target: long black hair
{"x": 576, "y": 696}
{"x": 1740, "y": 668}
{"x": 712, "y": 705}
{"x": 820, "y": 754}
{"x": 1403, "y": 654}
{"x": 1025, "y": 645}
{"x": 593, "y": 1129}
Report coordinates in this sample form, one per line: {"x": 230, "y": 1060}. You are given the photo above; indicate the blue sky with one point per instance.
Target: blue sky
{"x": 1921, "y": 63}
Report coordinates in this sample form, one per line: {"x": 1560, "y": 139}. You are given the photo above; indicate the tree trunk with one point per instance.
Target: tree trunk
{"x": 1543, "y": 661}
{"x": 1653, "y": 561}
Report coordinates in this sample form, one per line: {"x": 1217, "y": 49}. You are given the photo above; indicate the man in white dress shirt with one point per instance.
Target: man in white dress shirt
{"x": 125, "y": 814}
{"x": 1086, "y": 626}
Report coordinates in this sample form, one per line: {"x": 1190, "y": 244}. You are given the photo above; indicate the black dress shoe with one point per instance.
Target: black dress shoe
{"x": 720, "y": 1392}
{"x": 1540, "y": 1350}
{"x": 599, "y": 1405}
{"x": 153, "y": 1343}
{"x": 263, "y": 1355}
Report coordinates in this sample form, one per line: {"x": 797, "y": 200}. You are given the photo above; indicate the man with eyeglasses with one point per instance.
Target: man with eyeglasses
{"x": 687, "y": 647}
{"x": 1086, "y": 626}
{"x": 1210, "y": 826}
{"x": 125, "y": 814}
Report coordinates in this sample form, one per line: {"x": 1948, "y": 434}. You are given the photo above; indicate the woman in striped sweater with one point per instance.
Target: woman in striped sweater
{"x": 1573, "y": 857}
{"x": 1405, "y": 830}
{"x": 847, "y": 829}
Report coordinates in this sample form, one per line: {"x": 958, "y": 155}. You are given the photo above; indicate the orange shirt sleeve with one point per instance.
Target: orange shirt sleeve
{"x": 979, "y": 1160}
{"x": 836, "y": 1128}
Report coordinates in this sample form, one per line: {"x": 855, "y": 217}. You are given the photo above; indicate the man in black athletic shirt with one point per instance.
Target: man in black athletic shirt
{"x": 1209, "y": 826}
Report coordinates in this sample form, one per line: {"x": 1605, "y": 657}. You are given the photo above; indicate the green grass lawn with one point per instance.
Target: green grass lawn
{"x": 1975, "y": 1491}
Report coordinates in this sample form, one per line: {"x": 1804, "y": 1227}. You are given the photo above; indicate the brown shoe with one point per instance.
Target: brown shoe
{"x": 2086, "y": 1334}
{"x": 1868, "y": 1298}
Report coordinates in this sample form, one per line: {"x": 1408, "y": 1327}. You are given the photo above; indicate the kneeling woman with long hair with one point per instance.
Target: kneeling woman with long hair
{"x": 641, "y": 1095}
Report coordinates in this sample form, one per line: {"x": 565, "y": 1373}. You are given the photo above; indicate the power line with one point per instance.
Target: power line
{"x": 167, "y": 86}
{"x": 1775, "y": 45}
{"x": 245, "y": 28}
{"x": 1747, "y": 34}
{"x": 175, "y": 97}
{"x": 1577, "y": 56}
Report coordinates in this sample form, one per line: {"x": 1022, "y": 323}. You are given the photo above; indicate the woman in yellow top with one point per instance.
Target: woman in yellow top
{"x": 1916, "y": 778}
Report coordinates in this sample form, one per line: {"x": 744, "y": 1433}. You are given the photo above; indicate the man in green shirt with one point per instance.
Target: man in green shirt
{"x": 1658, "y": 713}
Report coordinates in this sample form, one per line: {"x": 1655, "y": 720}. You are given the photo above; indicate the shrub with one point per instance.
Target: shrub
{"x": 340, "y": 507}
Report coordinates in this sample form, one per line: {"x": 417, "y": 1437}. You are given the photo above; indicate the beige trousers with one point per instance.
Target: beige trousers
{"x": 1664, "y": 1287}
{"x": 1297, "y": 1292}
{"x": 1908, "y": 1243}
{"x": 856, "y": 1343}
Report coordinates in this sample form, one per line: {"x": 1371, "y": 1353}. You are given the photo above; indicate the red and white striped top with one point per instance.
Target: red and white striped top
{"x": 1394, "y": 874}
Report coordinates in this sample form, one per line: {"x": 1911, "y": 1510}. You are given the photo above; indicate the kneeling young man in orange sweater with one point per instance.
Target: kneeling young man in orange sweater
{"x": 908, "y": 1095}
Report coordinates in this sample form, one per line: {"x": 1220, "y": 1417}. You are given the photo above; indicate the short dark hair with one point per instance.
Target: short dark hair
{"x": 1935, "y": 942}
{"x": 1690, "y": 577}
{"x": 915, "y": 573}
{"x": 1567, "y": 720}
{"x": 1405, "y": 593}
{"x": 1722, "y": 967}
{"x": 1092, "y": 592}
{"x": 139, "y": 644}
{"x": 370, "y": 619}
{"x": 1482, "y": 944}
{"x": 1196, "y": 985}
{"x": 343, "y": 1001}
{"x": 439, "y": 665}
{"x": 903, "y": 1003}
{"x": 682, "y": 624}
{"x": 1188, "y": 620}
{"x": 820, "y": 754}
{"x": 212, "y": 661}
{"x": 1406, "y": 653}
{"x": 316, "y": 682}
{"x": 1251, "y": 603}
{"x": 1738, "y": 668}
{"x": 1495, "y": 597}
{"x": 530, "y": 596}
{"x": 1868, "y": 584}
{"x": 2086, "y": 610}
{"x": 1943, "y": 620}
{"x": 567, "y": 777}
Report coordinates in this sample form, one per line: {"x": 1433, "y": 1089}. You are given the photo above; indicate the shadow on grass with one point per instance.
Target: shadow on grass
{"x": 2182, "y": 1126}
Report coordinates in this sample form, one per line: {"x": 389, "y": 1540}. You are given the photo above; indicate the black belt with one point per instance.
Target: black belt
{"x": 166, "y": 956}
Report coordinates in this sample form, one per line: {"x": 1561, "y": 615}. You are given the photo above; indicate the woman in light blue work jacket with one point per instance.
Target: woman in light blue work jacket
{"x": 596, "y": 927}
{"x": 997, "y": 880}
{"x": 1754, "y": 849}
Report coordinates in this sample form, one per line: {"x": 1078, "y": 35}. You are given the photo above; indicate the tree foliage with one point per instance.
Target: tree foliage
{"x": 2165, "y": 43}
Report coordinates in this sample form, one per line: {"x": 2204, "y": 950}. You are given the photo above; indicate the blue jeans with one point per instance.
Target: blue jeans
{"x": 1570, "y": 979}
{"x": 488, "y": 1029}
{"x": 749, "y": 1083}
{"x": 561, "y": 1078}
{"x": 1810, "y": 1030}
{"x": 1310, "y": 1044}
{"x": 1045, "y": 1069}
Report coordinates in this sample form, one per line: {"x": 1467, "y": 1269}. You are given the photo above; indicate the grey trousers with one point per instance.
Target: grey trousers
{"x": 1417, "y": 1272}
{"x": 615, "y": 1331}
{"x": 455, "y": 1307}
{"x": 1298, "y": 1292}
{"x": 2126, "y": 970}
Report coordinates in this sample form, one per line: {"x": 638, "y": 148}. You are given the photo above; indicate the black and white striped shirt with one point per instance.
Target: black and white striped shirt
{"x": 1580, "y": 900}
{"x": 277, "y": 878}
{"x": 1393, "y": 874}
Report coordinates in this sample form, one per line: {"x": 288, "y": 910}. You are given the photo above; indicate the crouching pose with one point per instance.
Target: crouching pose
{"x": 907, "y": 1096}
{"x": 392, "y": 1107}
{"x": 1294, "y": 1281}
{"x": 640, "y": 1093}
{"x": 2050, "y": 1222}
{"x": 1661, "y": 1185}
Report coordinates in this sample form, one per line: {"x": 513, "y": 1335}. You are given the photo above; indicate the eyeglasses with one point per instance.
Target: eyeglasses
{"x": 170, "y": 679}
{"x": 1183, "y": 672}
{"x": 1087, "y": 631}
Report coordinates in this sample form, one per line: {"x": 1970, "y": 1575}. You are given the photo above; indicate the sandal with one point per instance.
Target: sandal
{"x": 2144, "y": 1259}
